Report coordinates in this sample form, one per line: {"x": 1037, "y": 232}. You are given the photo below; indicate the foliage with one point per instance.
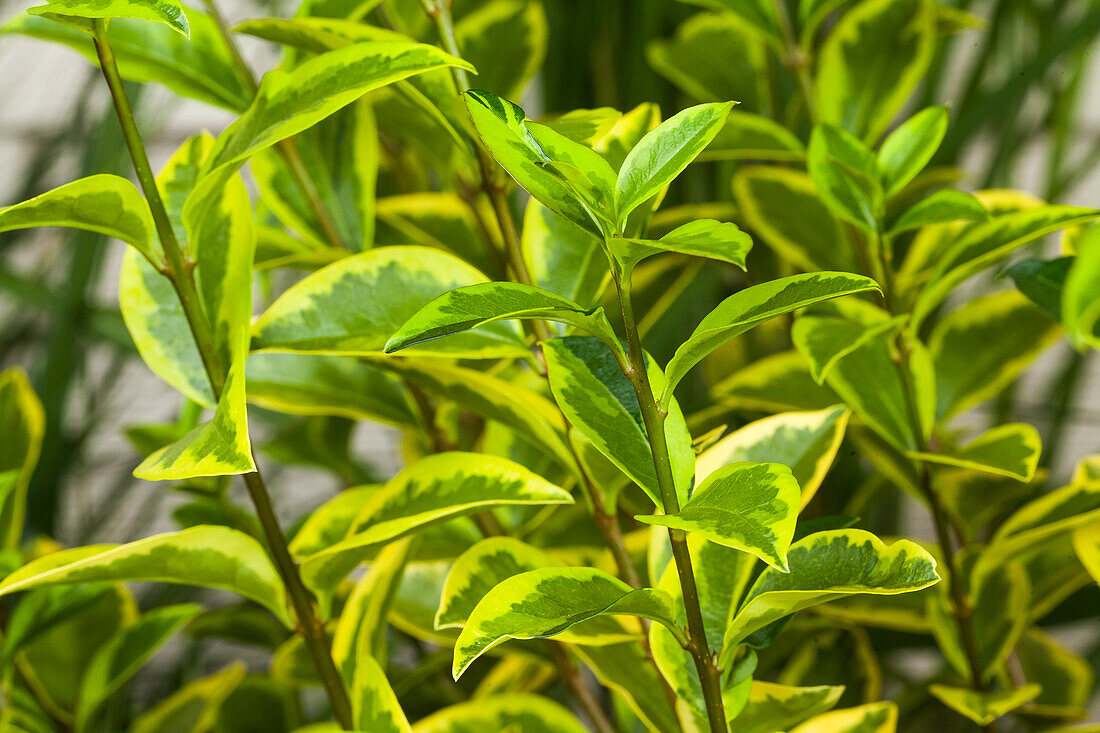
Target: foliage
{"x": 692, "y": 534}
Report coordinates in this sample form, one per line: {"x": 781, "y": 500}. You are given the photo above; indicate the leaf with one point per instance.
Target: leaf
{"x": 584, "y": 126}
{"x": 906, "y": 150}
{"x": 624, "y": 669}
{"x": 846, "y": 175}
{"x": 1011, "y": 450}
{"x": 773, "y": 707}
{"x": 1055, "y": 513}
{"x": 707, "y": 238}
{"x": 1087, "y": 546}
{"x": 1066, "y": 678}
{"x": 103, "y": 204}
{"x": 825, "y": 341}
{"x": 478, "y": 570}
{"x": 506, "y": 40}
{"x": 435, "y": 488}
{"x": 209, "y": 557}
{"x": 760, "y": 14}
{"x": 1012, "y": 334}
{"x": 22, "y": 427}
{"x": 806, "y": 442}
{"x": 598, "y": 399}
{"x": 748, "y": 506}
{"x": 116, "y": 661}
{"x": 775, "y": 383}
{"x": 754, "y": 137}
{"x": 168, "y": 12}
{"x": 511, "y": 139}
{"x": 943, "y": 206}
{"x": 194, "y": 707}
{"x": 663, "y": 153}
{"x": 44, "y": 609}
{"x": 563, "y": 258}
{"x": 876, "y": 717}
{"x": 809, "y": 241}
{"x": 527, "y": 713}
{"x": 1042, "y": 281}
{"x": 825, "y": 566}
{"x": 871, "y": 62}
{"x": 984, "y": 707}
{"x": 1080, "y": 309}
{"x": 374, "y": 704}
{"x": 545, "y": 602}
{"x": 388, "y": 286}
{"x": 468, "y": 307}
{"x": 312, "y": 384}
{"x": 755, "y": 304}
{"x": 987, "y": 242}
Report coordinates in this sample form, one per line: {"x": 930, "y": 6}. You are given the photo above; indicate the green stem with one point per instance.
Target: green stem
{"x": 796, "y": 60}
{"x": 179, "y": 271}
{"x": 653, "y": 416}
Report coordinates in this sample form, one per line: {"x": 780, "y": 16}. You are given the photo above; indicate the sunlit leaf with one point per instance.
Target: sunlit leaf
{"x": 168, "y": 12}
{"x": 906, "y": 150}
{"x": 1009, "y": 450}
{"x": 984, "y": 707}
{"x": 527, "y": 713}
{"x": 876, "y": 717}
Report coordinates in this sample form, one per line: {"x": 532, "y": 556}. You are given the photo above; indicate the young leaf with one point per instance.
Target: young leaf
{"x": 545, "y": 602}
{"x": 773, "y": 707}
{"x": 168, "y": 12}
{"x": 584, "y": 126}
{"x": 515, "y": 712}
{"x": 209, "y": 557}
{"x": 599, "y": 400}
{"x": 1013, "y": 334}
{"x": 846, "y": 175}
{"x": 478, "y": 570}
{"x": 755, "y": 304}
{"x": 663, "y": 153}
{"x": 373, "y": 702}
{"x": 806, "y": 442}
{"x": 871, "y": 62}
{"x": 708, "y": 238}
{"x": 468, "y": 307}
{"x": 876, "y": 717}
{"x": 103, "y": 204}
{"x": 984, "y": 707}
{"x": 825, "y": 566}
{"x": 748, "y": 506}
{"x": 906, "y": 150}
{"x": 1009, "y": 450}
{"x": 435, "y": 488}
{"x": 942, "y": 206}
{"x": 124, "y": 654}
{"x": 389, "y": 285}
{"x": 1080, "y": 306}
{"x": 22, "y": 426}
{"x": 563, "y": 258}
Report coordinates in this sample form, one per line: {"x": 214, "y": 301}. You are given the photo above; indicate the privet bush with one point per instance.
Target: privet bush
{"x": 587, "y": 534}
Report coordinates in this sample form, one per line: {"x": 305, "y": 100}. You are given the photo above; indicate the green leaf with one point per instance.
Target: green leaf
{"x": 209, "y": 557}
{"x": 506, "y": 41}
{"x": 986, "y": 243}
{"x": 43, "y": 610}
{"x": 527, "y": 713}
{"x": 707, "y": 238}
{"x": 1056, "y": 513}
{"x": 563, "y": 258}
{"x": 124, "y": 654}
{"x": 773, "y": 707}
{"x": 825, "y": 566}
{"x": 663, "y": 153}
{"x": 388, "y": 285}
{"x": 906, "y": 150}
{"x": 752, "y": 306}
{"x": 468, "y": 307}
{"x": 748, "y": 506}
{"x": 103, "y": 204}
{"x": 313, "y": 384}
{"x": 753, "y": 137}
{"x": 846, "y": 175}
{"x": 194, "y": 707}
{"x": 806, "y": 442}
{"x": 871, "y": 62}
{"x": 1042, "y": 281}
{"x": 512, "y": 141}
{"x": 1012, "y": 333}
{"x": 1087, "y": 546}
{"x": 22, "y": 426}
{"x": 315, "y": 34}
{"x": 373, "y": 702}
{"x": 773, "y": 384}
{"x": 598, "y": 399}
{"x": 766, "y": 195}
{"x": 584, "y": 126}
{"x": 942, "y": 206}
{"x": 624, "y": 669}
{"x": 198, "y": 67}
{"x": 1066, "y": 678}
{"x": 545, "y": 602}
{"x": 1080, "y": 306}
{"x": 825, "y": 341}
{"x": 478, "y": 570}
{"x": 168, "y": 12}
{"x": 984, "y": 707}
{"x": 1011, "y": 450}
{"x": 876, "y": 717}
{"x": 760, "y": 14}
{"x": 435, "y": 488}
{"x": 435, "y": 219}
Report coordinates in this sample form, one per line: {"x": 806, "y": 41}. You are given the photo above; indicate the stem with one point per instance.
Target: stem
{"x": 796, "y": 60}
{"x": 653, "y": 416}
{"x": 179, "y": 272}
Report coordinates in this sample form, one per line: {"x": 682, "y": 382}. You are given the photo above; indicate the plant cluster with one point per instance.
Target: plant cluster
{"x": 574, "y": 502}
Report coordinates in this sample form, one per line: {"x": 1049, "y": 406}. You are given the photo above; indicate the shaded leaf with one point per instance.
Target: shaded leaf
{"x": 1009, "y": 450}
{"x": 984, "y": 707}
{"x": 22, "y": 426}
